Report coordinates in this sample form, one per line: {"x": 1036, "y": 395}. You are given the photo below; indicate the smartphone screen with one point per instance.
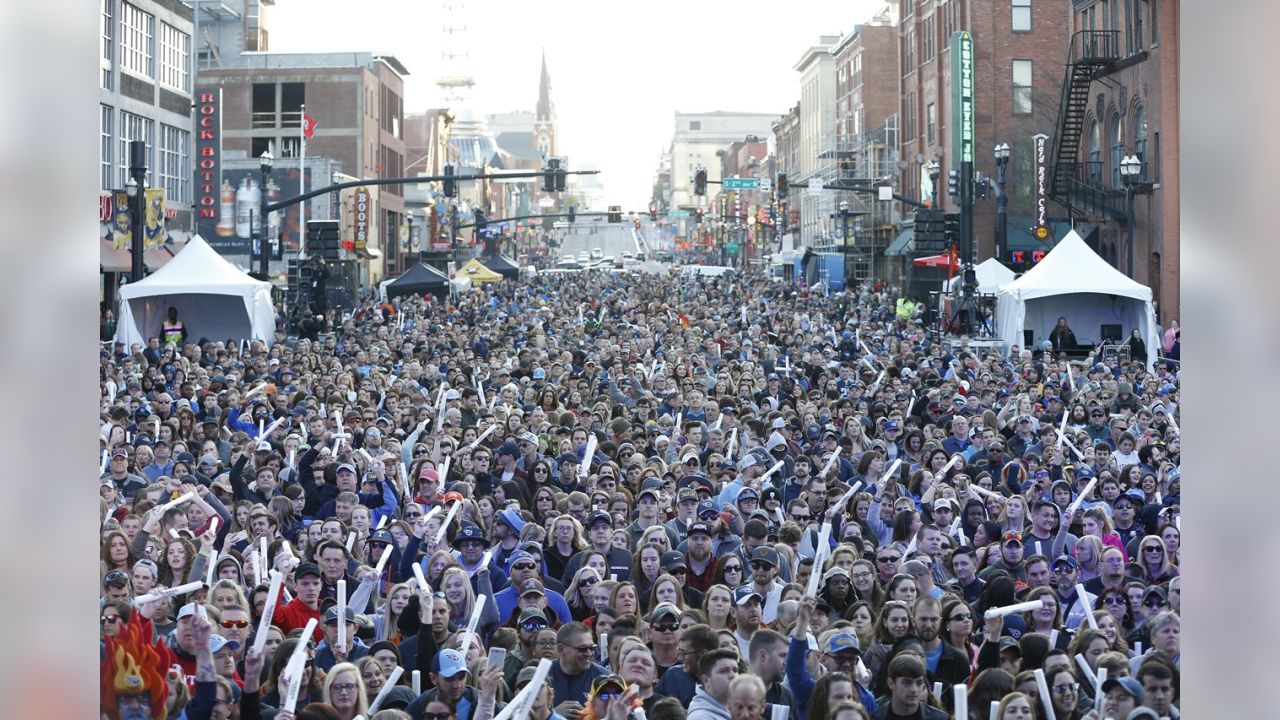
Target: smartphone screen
{"x": 497, "y": 656}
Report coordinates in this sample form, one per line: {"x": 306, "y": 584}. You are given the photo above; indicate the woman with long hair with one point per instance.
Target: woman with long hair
{"x": 114, "y": 554}
{"x": 564, "y": 540}
{"x": 957, "y": 628}
{"x": 386, "y": 621}
{"x": 1064, "y": 694}
{"x": 1114, "y": 600}
{"x": 456, "y": 586}
{"x": 440, "y": 561}
{"x": 665, "y": 590}
{"x": 1110, "y": 629}
{"x": 372, "y": 674}
{"x": 730, "y": 571}
{"x": 864, "y": 622}
{"x": 1089, "y": 556}
{"x": 1154, "y": 558}
{"x": 624, "y": 599}
{"x": 1017, "y": 706}
{"x": 544, "y": 498}
{"x": 344, "y": 691}
{"x": 862, "y": 579}
{"x": 277, "y": 687}
{"x": 1097, "y": 523}
{"x": 902, "y": 587}
{"x": 646, "y": 566}
{"x": 1014, "y": 517}
{"x": 1049, "y": 617}
{"x": 227, "y": 593}
{"x": 718, "y": 605}
{"x": 829, "y": 692}
{"x": 176, "y": 561}
{"x": 580, "y": 595}
{"x": 892, "y": 624}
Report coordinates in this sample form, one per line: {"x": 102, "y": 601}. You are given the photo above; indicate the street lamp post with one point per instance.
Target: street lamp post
{"x": 1002, "y": 200}
{"x": 408, "y": 217}
{"x": 1131, "y": 174}
{"x": 935, "y": 172}
{"x": 265, "y": 161}
{"x": 136, "y": 187}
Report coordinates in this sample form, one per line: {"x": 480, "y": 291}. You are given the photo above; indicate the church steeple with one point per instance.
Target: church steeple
{"x": 546, "y": 111}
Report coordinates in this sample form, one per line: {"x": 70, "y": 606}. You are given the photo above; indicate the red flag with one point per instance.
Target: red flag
{"x": 308, "y": 126}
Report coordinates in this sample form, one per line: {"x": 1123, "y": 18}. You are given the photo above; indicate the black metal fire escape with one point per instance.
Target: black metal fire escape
{"x": 1079, "y": 186}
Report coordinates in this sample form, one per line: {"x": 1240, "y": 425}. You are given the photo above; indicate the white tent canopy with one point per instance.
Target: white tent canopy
{"x": 991, "y": 275}
{"x": 214, "y": 299}
{"x": 1073, "y": 282}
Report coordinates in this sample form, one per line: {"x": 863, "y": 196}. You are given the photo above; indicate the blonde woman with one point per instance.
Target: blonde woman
{"x": 344, "y": 691}
{"x": 1014, "y": 517}
{"x": 456, "y": 586}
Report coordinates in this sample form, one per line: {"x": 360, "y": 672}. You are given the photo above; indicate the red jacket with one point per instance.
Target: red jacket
{"x": 294, "y": 616}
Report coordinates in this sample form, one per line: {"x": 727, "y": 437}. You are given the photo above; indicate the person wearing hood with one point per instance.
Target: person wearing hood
{"x": 716, "y": 671}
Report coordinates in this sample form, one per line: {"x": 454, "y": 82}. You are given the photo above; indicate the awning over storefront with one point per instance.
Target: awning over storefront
{"x": 112, "y": 260}
{"x": 901, "y": 245}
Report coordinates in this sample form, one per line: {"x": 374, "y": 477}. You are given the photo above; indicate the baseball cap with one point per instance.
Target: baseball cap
{"x": 663, "y": 610}
{"x": 1008, "y": 643}
{"x": 331, "y": 615}
{"x": 512, "y": 518}
{"x": 305, "y": 569}
{"x": 533, "y": 614}
{"x": 471, "y": 533}
{"x": 115, "y": 578}
{"x": 598, "y": 516}
{"x": 707, "y": 506}
{"x": 747, "y": 493}
{"x": 700, "y": 527}
{"x": 1130, "y": 686}
{"x": 743, "y": 594}
{"x": 686, "y": 495}
{"x": 532, "y": 586}
{"x": 1143, "y": 713}
{"x": 615, "y": 681}
{"x": 1066, "y": 560}
{"x": 841, "y": 642}
{"x": 348, "y": 467}
{"x": 764, "y": 553}
{"x": 381, "y": 536}
{"x": 944, "y": 503}
{"x": 672, "y": 560}
{"x": 448, "y": 663}
{"x": 217, "y": 642}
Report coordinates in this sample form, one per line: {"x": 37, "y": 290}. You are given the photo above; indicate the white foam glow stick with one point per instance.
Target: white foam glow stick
{"x": 1062, "y": 429}
{"x": 174, "y": 534}
{"x": 779, "y": 712}
{"x": 1099, "y": 697}
{"x": 844, "y": 499}
{"x": 1053, "y": 638}
{"x": 744, "y": 315}
{"x": 257, "y": 566}
{"x": 892, "y": 468}
{"x": 479, "y": 389}
{"x": 342, "y": 613}
{"x": 1028, "y": 606}
{"x": 733, "y": 442}
{"x": 1071, "y": 377}
{"x": 1045, "y": 697}
{"x": 367, "y": 457}
{"x": 381, "y": 522}
{"x": 262, "y": 425}
{"x": 994, "y": 713}
{"x": 417, "y": 682}
{"x": 106, "y": 457}
{"x": 268, "y": 610}
{"x": 444, "y": 469}
{"x": 1087, "y": 671}
{"x": 211, "y": 564}
{"x": 950, "y": 463}
{"x": 911, "y": 547}
{"x": 1063, "y": 438}
{"x": 1082, "y": 599}
{"x": 351, "y": 540}
{"x": 1075, "y": 504}
{"x": 168, "y": 592}
{"x": 293, "y": 458}
{"x": 830, "y": 462}
{"x": 386, "y": 688}
{"x": 776, "y": 467}
{"x": 465, "y": 642}
{"x": 295, "y": 666}
{"x": 453, "y": 511}
{"x": 954, "y": 530}
{"x": 175, "y": 503}
{"x": 819, "y": 555}
{"x": 382, "y": 562}
{"x": 585, "y": 467}
{"x": 213, "y": 526}
{"x": 985, "y": 492}
{"x": 262, "y": 549}
{"x": 961, "y": 700}
{"x": 476, "y": 443}
{"x": 422, "y": 579}
{"x": 717, "y": 425}
{"x": 679, "y": 421}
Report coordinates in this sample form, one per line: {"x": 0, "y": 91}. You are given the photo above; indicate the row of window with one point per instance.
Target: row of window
{"x": 171, "y": 167}
{"x": 1097, "y": 169}
{"x": 139, "y": 45}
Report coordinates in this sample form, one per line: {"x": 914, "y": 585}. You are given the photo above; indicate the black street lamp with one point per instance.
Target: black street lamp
{"x": 1131, "y": 174}
{"x": 1002, "y": 200}
{"x": 408, "y": 217}
{"x": 264, "y": 251}
{"x": 136, "y": 188}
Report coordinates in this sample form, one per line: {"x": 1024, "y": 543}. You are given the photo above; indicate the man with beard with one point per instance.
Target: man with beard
{"x": 699, "y": 561}
{"x": 747, "y": 611}
{"x": 768, "y": 660}
{"x": 945, "y": 662}
{"x": 599, "y": 526}
{"x": 679, "y": 682}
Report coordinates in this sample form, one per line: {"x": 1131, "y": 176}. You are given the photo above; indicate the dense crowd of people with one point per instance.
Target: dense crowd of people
{"x": 615, "y": 494}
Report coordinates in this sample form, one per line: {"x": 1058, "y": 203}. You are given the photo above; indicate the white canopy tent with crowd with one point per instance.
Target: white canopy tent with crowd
{"x": 1072, "y": 281}
{"x": 214, "y": 299}
{"x": 991, "y": 275}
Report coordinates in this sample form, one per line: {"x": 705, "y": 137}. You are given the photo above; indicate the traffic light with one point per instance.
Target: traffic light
{"x": 573, "y": 213}
{"x": 700, "y": 182}
{"x": 562, "y": 176}
{"x": 782, "y": 186}
{"x": 953, "y": 184}
{"x": 550, "y": 173}
{"x": 951, "y": 227}
{"x": 653, "y": 213}
{"x": 450, "y": 185}
{"x": 698, "y": 215}
{"x": 615, "y": 213}
{"x": 478, "y": 218}
{"x": 637, "y": 223}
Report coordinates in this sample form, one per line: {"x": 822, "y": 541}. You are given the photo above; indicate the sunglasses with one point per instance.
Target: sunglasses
{"x": 1153, "y": 603}
{"x": 238, "y": 624}
{"x": 524, "y": 566}
{"x": 667, "y": 627}
{"x": 1113, "y": 600}
{"x": 735, "y": 568}
{"x": 760, "y": 565}
{"x": 1153, "y": 549}
{"x": 587, "y": 582}
{"x": 533, "y": 626}
{"x": 436, "y": 716}
{"x": 894, "y": 558}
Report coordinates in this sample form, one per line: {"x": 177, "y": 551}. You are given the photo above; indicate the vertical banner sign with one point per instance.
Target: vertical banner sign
{"x": 961, "y": 98}
{"x": 1041, "y": 229}
{"x": 121, "y": 222}
{"x": 362, "y": 207}
{"x": 209, "y": 201}
{"x": 153, "y": 232}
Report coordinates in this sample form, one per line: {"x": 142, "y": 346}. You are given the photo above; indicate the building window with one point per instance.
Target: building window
{"x": 108, "y": 35}
{"x": 106, "y": 149}
{"x": 949, "y": 24}
{"x": 1022, "y": 15}
{"x": 695, "y": 124}
{"x": 1155, "y": 23}
{"x": 264, "y": 105}
{"x": 135, "y": 127}
{"x": 1095, "y": 153}
{"x": 293, "y": 95}
{"x": 856, "y": 80}
{"x": 175, "y": 153}
{"x": 1140, "y": 140}
{"x": 1117, "y": 149}
{"x": 137, "y": 29}
{"x": 1021, "y": 87}
{"x": 909, "y": 52}
{"x": 1115, "y": 17}
{"x": 931, "y": 118}
{"x": 175, "y": 53}
{"x": 1129, "y": 13}
{"x": 1138, "y": 16}
{"x": 927, "y": 40}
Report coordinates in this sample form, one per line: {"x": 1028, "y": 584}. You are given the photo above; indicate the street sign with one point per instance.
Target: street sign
{"x": 766, "y": 185}
{"x": 739, "y": 183}
{"x": 677, "y": 213}
{"x": 816, "y": 187}
{"x": 731, "y": 247}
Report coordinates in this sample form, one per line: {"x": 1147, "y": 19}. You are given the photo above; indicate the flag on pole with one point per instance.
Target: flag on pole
{"x": 308, "y": 132}
{"x": 308, "y": 126}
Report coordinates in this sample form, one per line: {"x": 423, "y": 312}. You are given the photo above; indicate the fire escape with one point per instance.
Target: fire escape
{"x": 1080, "y": 186}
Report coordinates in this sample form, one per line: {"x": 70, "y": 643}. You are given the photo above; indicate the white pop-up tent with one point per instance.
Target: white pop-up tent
{"x": 214, "y": 299}
{"x": 1073, "y": 282}
{"x": 991, "y": 275}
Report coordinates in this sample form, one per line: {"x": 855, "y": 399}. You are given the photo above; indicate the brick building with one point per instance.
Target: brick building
{"x": 1018, "y": 57}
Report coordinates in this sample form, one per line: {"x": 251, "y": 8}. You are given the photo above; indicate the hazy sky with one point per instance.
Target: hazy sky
{"x": 618, "y": 70}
